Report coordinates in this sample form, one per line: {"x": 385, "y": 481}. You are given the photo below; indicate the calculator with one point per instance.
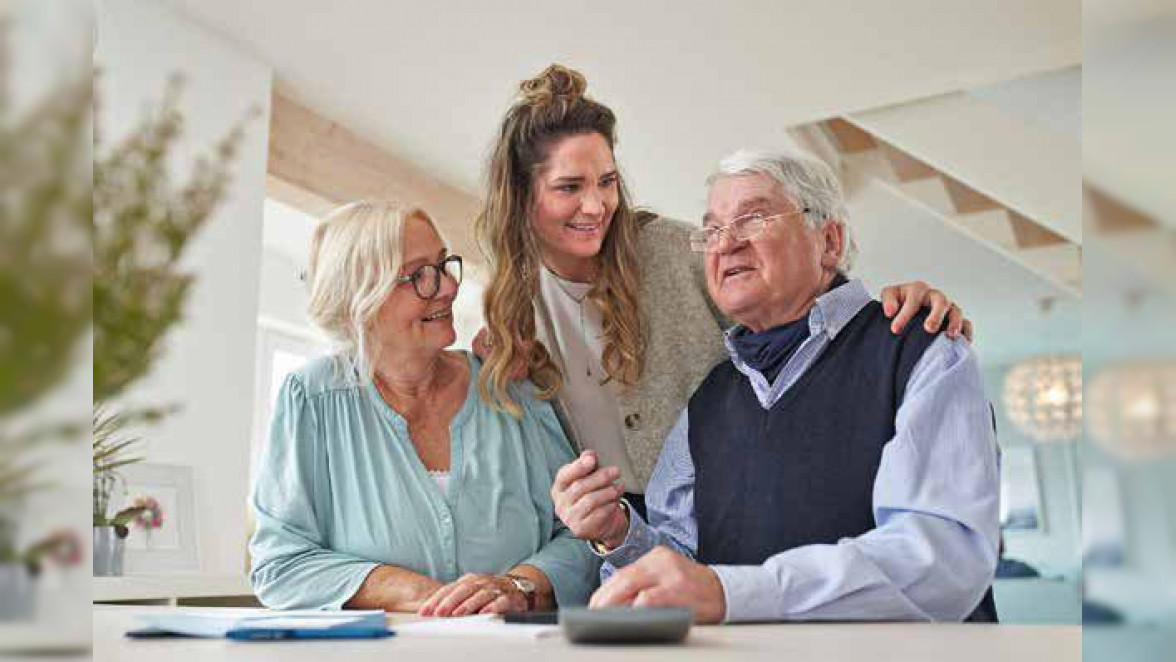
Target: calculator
{"x": 626, "y": 625}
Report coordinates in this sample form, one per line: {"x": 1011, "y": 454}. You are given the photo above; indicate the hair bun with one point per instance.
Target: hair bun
{"x": 556, "y": 82}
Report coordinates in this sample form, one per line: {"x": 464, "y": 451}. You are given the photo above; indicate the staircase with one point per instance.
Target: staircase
{"x": 863, "y": 157}
{"x": 1137, "y": 239}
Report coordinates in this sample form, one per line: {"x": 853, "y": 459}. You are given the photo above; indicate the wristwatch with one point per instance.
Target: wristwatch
{"x": 526, "y": 587}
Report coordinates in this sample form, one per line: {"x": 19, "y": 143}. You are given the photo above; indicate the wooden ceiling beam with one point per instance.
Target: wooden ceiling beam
{"x": 316, "y": 164}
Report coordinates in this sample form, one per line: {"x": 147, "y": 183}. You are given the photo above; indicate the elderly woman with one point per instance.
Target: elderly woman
{"x": 388, "y": 483}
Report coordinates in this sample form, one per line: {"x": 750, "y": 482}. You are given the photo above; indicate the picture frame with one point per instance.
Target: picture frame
{"x": 164, "y": 540}
{"x": 1021, "y": 507}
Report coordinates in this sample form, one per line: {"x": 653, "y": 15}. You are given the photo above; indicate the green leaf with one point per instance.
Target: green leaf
{"x": 107, "y": 468}
{"x": 113, "y": 450}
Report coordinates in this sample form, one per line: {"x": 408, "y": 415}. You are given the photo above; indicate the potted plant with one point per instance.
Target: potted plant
{"x": 18, "y": 570}
{"x": 15, "y": 581}
{"x": 45, "y": 284}
{"x": 112, "y": 449}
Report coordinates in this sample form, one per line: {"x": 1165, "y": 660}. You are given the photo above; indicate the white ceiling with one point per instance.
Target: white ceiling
{"x": 1051, "y": 101}
{"x": 1099, "y": 15}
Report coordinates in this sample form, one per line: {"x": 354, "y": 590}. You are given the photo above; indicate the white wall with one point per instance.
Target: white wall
{"x": 208, "y": 364}
{"x": 282, "y": 293}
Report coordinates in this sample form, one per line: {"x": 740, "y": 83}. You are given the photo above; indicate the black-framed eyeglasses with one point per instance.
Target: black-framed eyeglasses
{"x": 426, "y": 279}
{"x": 743, "y": 228}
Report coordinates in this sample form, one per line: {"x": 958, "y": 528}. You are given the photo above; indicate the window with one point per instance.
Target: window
{"x": 281, "y": 349}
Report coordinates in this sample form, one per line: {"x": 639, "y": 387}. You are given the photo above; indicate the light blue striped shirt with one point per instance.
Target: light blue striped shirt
{"x": 341, "y": 490}
{"x": 933, "y": 552}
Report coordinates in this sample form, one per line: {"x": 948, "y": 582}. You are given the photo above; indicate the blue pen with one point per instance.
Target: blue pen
{"x": 276, "y": 634}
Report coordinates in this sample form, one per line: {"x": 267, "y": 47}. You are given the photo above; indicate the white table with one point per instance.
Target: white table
{"x": 782, "y": 643}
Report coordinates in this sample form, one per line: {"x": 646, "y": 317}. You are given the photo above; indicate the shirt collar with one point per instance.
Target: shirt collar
{"x": 831, "y": 312}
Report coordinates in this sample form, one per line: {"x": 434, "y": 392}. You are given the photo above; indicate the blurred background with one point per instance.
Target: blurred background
{"x": 980, "y": 144}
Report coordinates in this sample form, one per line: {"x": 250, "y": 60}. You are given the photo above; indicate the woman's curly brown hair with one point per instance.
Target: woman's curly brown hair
{"x": 551, "y": 106}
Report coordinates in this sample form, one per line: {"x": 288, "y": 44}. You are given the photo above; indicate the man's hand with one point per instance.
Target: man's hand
{"x": 663, "y": 578}
{"x": 588, "y": 501}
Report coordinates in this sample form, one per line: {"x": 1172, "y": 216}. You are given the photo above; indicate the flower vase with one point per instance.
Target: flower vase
{"x": 16, "y": 589}
{"x": 109, "y": 549}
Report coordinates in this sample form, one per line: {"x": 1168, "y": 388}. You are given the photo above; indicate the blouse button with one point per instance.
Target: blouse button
{"x": 633, "y": 421}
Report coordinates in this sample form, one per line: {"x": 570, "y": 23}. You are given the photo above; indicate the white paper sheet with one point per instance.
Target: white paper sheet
{"x": 480, "y": 626}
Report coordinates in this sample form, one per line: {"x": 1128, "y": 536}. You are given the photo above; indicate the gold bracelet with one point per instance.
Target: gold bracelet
{"x": 598, "y": 545}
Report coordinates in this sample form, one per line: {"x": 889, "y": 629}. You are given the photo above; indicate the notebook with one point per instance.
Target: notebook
{"x": 264, "y": 625}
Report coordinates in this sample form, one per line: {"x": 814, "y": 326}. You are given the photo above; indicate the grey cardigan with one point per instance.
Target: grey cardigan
{"x": 684, "y": 340}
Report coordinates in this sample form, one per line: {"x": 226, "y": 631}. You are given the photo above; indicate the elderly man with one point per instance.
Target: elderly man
{"x": 830, "y": 470}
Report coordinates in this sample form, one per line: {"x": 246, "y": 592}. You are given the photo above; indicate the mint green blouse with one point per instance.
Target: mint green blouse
{"x": 340, "y": 490}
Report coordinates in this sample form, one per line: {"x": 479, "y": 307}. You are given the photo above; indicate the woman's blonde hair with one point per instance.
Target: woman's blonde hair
{"x": 551, "y": 106}
{"x": 355, "y": 257}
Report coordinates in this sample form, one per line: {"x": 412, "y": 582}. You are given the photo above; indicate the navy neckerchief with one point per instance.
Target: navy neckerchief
{"x": 769, "y": 350}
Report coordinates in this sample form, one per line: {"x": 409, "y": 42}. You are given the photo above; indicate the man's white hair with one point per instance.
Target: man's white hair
{"x": 805, "y": 180}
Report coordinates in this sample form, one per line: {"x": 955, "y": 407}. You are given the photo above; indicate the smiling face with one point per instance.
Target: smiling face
{"x": 575, "y": 195}
{"x": 406, "y": 322}
{"x": 774, "y": 278}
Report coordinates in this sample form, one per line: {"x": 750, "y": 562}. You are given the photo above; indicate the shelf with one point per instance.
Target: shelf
{"x": 169, "y": 587}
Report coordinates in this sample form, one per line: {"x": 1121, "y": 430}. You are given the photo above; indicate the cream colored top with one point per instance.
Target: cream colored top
{"x": 575, "y": 339}
{"x": 442, "y": 480}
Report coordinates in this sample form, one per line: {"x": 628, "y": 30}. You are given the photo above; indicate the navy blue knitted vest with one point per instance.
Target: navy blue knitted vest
{"x": 802, "y": 472}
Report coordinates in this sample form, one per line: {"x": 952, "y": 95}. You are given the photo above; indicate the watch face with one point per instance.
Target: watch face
{"x": 527, "y": 588}
{"x": 525, "y": 585}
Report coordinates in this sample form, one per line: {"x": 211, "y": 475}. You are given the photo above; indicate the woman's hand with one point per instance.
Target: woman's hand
{"x": 906, "y": 300}
{"x": 481, "y": 347}
{"x": 475, "y": 594}
{"x": 481, "y": 344}
{"x": 392, "y": 588}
